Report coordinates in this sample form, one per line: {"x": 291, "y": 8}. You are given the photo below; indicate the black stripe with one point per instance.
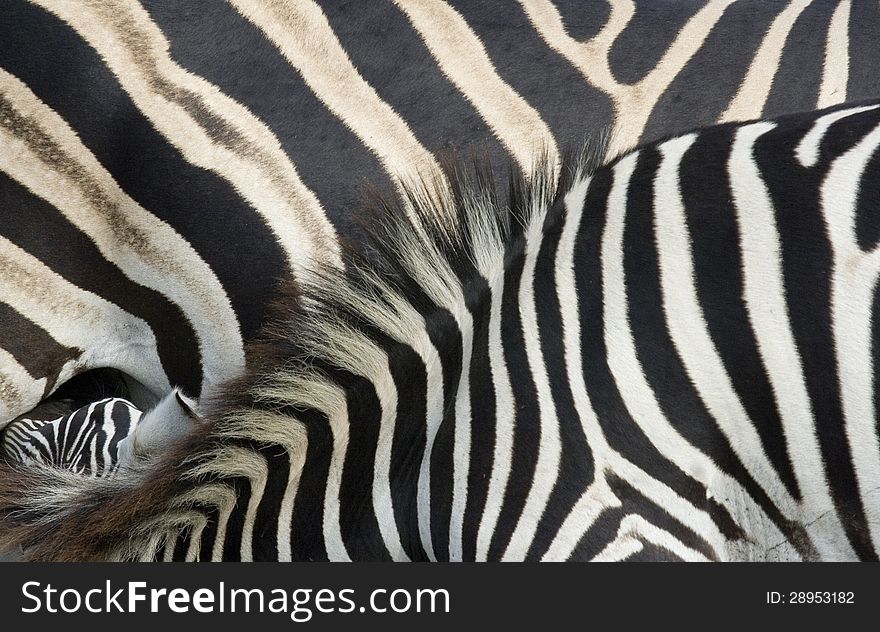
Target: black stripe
{"x": 651, "y": 552}
{"x": 446, "y": 338}
{"x": 571, "y": 108}
{"x": 72, "y": 255}
{"x": 357, "y": 517}
{"x": 717, "y": 258}
{"x": 408, "y": 446}
{"x": 209, "y": 533}
{"x": 582, "y": 20}
{"x": 235, "y": 524}
{"x": 807, "y": 263}
{"x": 867, "y": 207}
{"x": 21, "y": 336}
{"x": 657, "y": 354}
{"x": 864, "y": 54}
{"x": 799, "y": 74}
{"x": 647, "y": 37}
{"x": 181, "y": 545}
{"x": 69, "y": 76}
{"x": 122, "y": 426}
{"x": 101, "y": 440}
{"x": 264, "y": 546}
{"x": 484, "y": 424}
{"x": 526, "y": 432}
{"x": 214, "y": 41}
{"x": 718, "y": 68}
{"x": 306, "y": 526}
{"x": 576, "y": 467}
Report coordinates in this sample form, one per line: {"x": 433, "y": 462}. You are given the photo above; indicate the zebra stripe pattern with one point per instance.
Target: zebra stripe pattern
{"x": 84, "y": 441}
{"x": 165, "y": 163}
{"x": 667, "y": 357}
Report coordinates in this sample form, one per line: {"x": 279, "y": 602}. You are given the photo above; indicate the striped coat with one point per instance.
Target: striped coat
{"x": 164, "y": 163}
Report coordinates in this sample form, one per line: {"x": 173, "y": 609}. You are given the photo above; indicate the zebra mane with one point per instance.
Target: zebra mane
{"x": 437, "y": 239}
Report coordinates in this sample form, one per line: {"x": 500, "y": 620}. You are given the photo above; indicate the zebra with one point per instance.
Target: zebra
{"x": 164, "y": 163}
{"x": 100, "y": 437}
{"x": 83, "y": 441}
{"x": 668, "y": 354}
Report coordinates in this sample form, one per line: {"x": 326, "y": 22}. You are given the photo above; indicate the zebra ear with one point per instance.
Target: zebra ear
{"x": 188, "y": 406}
{"x": 175, "y": 416}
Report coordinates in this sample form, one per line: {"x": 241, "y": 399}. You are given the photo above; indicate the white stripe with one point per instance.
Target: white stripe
{"x": 434, "y": 404}
{"x": 93, "y": 460}
{"x": 853, "y": 288}
{"x": 148, "y": 552}
{"x": 146, "y": 250}
{"x": 765, "y": 298}
{"x": 296, "y": 453}
{"x": 633, "y": 103}
{"x": 75, "y": 318}
{"x": 257, "y": 474}
{"x": 195, "y": 540}
{"x": 337, "y": 415}
{"x": 633, "y": 386}
{"x": 19, "y": 391}
{"x": 382, "y": 503}
{"x": 549, "y": 445}
{"x": 687, "y": 325}
{"x": 463, "y": 60}
{"x": 108, "y": 425}
{"x": 169, "y": 550}
{"x": 461, "y": 448}
{"x": 223, "y": 514}
{"x": 504, "y": 428}
{"x": 261, "y": 172}
{"x": 301, "y": 32}
{"x": 755, "y": 87}
{"x": 807, "y": 151}
{"x": 835, "y": 70}
{"x": 589, "y": 57}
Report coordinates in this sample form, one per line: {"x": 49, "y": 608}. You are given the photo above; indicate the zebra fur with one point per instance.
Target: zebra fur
{"x": 154, "y": 185}
{"x": 613, "y": 424}
{"x": 98, "y": 438}
{"x": 84, "y": 441}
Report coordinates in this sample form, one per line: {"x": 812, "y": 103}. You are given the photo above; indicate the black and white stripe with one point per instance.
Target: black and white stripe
{"x": 164, "y": 163}
{"x": 668, "y": 356}
{"x": 84, "y": 441}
